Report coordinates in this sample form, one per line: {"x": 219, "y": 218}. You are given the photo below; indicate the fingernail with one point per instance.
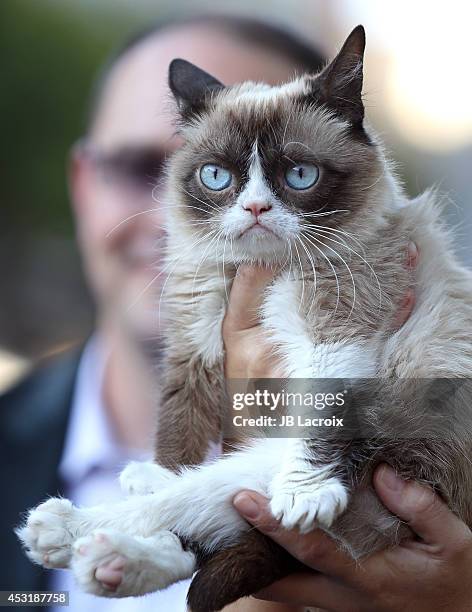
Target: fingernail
{"x": 246, "y": 506}
{"x": 390, "y": 479}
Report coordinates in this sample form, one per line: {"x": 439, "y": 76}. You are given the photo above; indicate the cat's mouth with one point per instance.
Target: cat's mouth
{"x": 257, "y": 229}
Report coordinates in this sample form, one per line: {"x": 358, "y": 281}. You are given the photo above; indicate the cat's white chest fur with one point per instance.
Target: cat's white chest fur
{"x": 287, "y": 331}
{"x": 302, "y": 357}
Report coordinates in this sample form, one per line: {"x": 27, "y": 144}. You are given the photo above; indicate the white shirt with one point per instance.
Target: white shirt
{"x": 89, "y": 467}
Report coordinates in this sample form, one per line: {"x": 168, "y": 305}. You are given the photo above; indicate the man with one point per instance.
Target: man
{"x": 74, "y": 424}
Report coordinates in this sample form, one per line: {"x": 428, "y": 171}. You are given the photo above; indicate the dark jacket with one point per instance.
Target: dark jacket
{"x": 33, "y": 422}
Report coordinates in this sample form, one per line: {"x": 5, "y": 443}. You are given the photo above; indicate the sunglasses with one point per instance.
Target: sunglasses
{"x": 136, "y": 167}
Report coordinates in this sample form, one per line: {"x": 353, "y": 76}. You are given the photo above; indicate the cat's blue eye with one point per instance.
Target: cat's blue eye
{"x": 215, "y": 177}
{"x": 302, "y": 176}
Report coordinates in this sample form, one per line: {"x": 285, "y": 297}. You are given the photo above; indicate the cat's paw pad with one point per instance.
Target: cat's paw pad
{"x": 144, "y": 478}
{"x": 111, "y": 564}
{"x": 308, "y": 505}
{"x": 46, "y": 536}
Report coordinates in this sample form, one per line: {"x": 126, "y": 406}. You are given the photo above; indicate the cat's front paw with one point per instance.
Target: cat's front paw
{"x": 144, "y": 478}
{"x": 307, "y": 504}
{"x": 112, "y": 564}
{"x": 46, "y": 535}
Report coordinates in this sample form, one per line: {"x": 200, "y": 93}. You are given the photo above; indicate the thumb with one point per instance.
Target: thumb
{"x": 247, "y": 294}
{"x": 315, "y": 549}
{"x": 420, "y": 507}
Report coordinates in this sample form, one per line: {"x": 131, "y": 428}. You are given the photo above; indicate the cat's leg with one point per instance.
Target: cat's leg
{"x": 189, "y": 418}
{"x": 46, "y": 536}
{"x": 192, "y": 392}
{"x": 309, "y": 491}
{"x": 144, "y": 478}
{"x": 113, "y": 564}
{"x": 197, "y": 505}
{"x": 307, "y": 494}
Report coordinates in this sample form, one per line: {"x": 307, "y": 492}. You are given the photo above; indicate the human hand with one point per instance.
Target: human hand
{"x": 430, "y": 574}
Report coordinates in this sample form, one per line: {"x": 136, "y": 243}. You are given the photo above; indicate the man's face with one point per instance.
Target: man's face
{"x": 119, "y": 214}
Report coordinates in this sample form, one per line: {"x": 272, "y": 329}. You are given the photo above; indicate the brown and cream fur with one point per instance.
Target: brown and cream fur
{"x": 436, "y": 342}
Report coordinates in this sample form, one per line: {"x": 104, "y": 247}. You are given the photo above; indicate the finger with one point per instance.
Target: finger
{"x": 310, "y": 589}
{"x": 420, "y": 507}
{"x": 315, "y": 549}
{"x": 247, "y": 294}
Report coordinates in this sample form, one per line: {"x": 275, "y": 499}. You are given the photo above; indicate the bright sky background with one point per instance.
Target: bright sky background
{"x": 428, "y": 83}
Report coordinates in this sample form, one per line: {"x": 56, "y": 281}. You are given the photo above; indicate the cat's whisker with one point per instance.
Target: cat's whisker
{"x": 288, "y": 249}
{"x": 220, "y": 234}
{"x": 232, "y": 251}
{"x": 322, "y": 234}
{"x": 289, "y": 118}
{"x": 325, "y": 214}
{"x": 147, "y": 212}
{"x": 289, "y": 255}
{"x": 174, "y": 207}
{"x": 152, "y": 281}
{"x": 215, "y": 238}
{"x": 291, "y": 259}
{"x": 310, "y": 258}
{"x": 297, "y": 142}
{"x": 223, "y": 269}
{"x": 338, "y": 289}
{"x": 379, "y": 178}
{"x": 271, "y": 127}
{"x": 203, "y": 258}
{"x": 347, "y": 268}
{"x": 303, "y": 277}
{"x": 184, "y": 254}
{"x": 213, "y": 206}
{"x": 364, "y": 261}
{"x": 317, "y": 211}
{"x": 141, "y": 212}
{"x": 332, "y": 230}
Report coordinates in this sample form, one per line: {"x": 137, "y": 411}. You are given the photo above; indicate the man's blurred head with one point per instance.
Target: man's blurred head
{"x": 115, "y": 170}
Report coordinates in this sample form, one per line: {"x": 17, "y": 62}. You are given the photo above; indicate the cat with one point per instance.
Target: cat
{"x": 289, "y": 176}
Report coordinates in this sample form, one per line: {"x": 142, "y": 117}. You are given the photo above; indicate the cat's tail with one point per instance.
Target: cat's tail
{"x": 241, "y": 570}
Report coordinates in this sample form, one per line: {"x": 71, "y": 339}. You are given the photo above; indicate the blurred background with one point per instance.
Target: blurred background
{"x": 418, "y": 94}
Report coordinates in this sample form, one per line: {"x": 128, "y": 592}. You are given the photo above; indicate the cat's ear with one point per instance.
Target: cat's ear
{"x": 339, "y": 85}
{"x": 190, "y": 86}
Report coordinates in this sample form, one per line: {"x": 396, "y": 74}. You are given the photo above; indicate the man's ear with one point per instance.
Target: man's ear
{"x": 339, "y": 85}
{"x": 190, "y": 86}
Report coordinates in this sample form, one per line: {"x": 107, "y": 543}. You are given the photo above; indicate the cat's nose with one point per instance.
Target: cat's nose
{"x": 257, "y": 208}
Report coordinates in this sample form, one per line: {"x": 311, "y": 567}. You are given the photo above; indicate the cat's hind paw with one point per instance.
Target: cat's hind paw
{"x": 144, "y": 478}
{"x": 46, "y": 535}
{"x": 308, "y": 505}
{"x": 112, "y": 564}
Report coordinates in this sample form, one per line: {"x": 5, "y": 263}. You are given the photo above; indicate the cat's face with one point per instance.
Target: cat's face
{"x": 270, "y": 172}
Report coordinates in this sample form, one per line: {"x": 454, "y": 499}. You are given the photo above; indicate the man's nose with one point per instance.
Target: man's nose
{"x": 257, "y": 208}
